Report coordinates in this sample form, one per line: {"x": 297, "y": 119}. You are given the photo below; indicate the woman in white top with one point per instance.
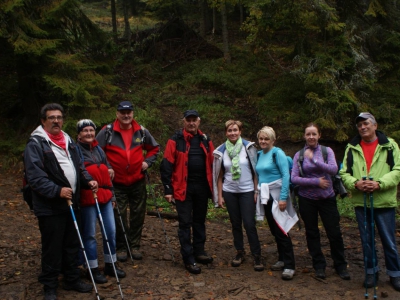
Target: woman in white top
{"x": 235, "y": 184}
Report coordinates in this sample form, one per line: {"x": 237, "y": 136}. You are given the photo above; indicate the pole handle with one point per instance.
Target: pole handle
{"x": 94, "y": 195}
{"x": 69, "y": 202}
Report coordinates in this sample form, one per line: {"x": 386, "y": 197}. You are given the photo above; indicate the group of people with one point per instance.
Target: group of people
{"x": 89, "y": 175}
{"x": 106, "y": 174}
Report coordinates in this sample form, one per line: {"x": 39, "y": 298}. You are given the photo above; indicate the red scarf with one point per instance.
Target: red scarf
{"x": 58, "y": 139}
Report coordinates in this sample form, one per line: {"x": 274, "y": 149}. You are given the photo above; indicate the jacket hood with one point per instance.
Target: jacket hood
{"x": 42, "y": 133}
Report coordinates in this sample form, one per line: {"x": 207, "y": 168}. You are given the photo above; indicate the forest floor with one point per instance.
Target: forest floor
{"x": 158, "y": 277}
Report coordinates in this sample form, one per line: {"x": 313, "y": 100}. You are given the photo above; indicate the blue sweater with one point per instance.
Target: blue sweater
{"x": 269, "y": 171}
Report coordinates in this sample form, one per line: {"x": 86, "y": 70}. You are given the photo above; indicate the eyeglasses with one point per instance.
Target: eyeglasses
{"x": 54, "y": 118}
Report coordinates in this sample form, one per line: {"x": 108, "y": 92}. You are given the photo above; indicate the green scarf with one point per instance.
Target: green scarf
{"x": 233, "y": 152}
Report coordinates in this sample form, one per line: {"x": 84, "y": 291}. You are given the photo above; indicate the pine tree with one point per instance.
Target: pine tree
{"x": 60, "y": 55}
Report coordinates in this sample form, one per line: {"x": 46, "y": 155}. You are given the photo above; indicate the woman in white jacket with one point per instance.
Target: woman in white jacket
{"x": 235, "y": 184}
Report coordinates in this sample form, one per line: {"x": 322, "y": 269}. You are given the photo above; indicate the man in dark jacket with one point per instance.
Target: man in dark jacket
{"x": 130, "y": 149}
{"x": 55, "y": 173}
{"x": 186, "y": 173}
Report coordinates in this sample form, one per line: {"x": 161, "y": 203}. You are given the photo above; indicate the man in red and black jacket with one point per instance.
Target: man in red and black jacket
{"x": 130, "y": 149}
{"x": 186, "y": 173}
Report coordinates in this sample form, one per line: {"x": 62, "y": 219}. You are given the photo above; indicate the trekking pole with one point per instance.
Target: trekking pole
{"x": 365, "y": 244}
{"x": 159, "y": 215}
{"x": 108, "y": 244}
{"x": 82, "y": 247}
{"x": 123, "y": 228}
{"x": 371, "y": 201}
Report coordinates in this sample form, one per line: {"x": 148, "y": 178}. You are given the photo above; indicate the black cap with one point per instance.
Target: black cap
{"x": 364, "y": 116}
{"x": 190, "y": 112}
{"x": 125, "y": 105}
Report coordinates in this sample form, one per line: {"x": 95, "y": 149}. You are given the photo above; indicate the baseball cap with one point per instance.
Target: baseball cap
{"x": 190, "y": 112}
{"x": 364, "y": 116}
{"x": 125, "y": 105}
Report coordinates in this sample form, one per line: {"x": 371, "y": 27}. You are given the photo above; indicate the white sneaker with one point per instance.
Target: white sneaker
{"x": 278, "y": 266}
{"x": 287, "y": 274}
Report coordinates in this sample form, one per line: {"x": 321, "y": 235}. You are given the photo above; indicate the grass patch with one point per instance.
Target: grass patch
{"x": 346, "y": 208}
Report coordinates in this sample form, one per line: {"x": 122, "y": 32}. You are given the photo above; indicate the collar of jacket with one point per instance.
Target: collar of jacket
{"x": 88, "y": 146}
{"x": 116, "y": 126}
{"x": 188, "y": 136}
{"x": 382, "y": 139}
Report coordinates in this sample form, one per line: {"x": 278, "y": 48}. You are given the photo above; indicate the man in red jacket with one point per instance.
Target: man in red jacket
{"x": 130, "y": 149}
{"x": 186, "y": 173}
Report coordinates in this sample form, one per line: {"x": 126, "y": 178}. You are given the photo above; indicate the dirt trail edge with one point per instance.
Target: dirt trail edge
{"x": 157, "y": 277}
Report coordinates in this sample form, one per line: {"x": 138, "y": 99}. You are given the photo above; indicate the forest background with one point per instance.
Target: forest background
{"x": 281, "y": 63}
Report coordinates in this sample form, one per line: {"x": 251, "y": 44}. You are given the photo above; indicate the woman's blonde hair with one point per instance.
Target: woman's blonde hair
{"x": 268, "y": 131}
{"x": 233, "y": 122}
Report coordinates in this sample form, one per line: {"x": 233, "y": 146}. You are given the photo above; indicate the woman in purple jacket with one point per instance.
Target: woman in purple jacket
{"x": 316, "y": 196}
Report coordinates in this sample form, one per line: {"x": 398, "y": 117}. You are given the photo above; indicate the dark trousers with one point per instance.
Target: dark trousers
{"x": 241, "y": 209}
{"x": 327, "y": 210}
{"x": 192, "y": 216}
{"x": 135, "y": 197}
{"x": 60, "y": 247}
{"x": 283, "y": 241}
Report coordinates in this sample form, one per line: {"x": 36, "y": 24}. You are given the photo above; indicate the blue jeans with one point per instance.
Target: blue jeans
{"x": 89, "y": 216}
{"x": 241, "y": 209}
{"x": 384, "y": 219}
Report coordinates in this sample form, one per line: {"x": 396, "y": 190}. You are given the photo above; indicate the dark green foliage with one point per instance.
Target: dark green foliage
{"x": 59, "y": 54}
{"x": 340, "y": 57}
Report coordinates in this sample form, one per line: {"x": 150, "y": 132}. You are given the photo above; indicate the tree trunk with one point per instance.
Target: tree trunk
{"x": 227, "y": 55}
{"x": 241, "y": 12}
{"x": 114, "y": 20}
{"x": 127, "y": 31}
{"x": 214, "y": 21}
{"x": 203, "y": 21}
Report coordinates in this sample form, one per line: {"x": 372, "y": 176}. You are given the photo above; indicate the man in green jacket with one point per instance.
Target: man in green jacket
{"x": 373, "y": 155}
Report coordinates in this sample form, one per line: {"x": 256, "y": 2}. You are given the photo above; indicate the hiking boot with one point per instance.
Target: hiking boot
{"x": 97, "y": 276}
{"x": 109, "y": 270}
{"x": 238, "y": 259}
{"x": 320, "y": 273}
{"x": 369, "y": 280}
{"x": 258, "y": 265}
{"x": 204, "y": 258}
{"x": 122, "y": 256}
{"x": 193, "y": 268}
{"x": 395, "y": 281}
{"x": 343, "y": 274}
{"x": 278, "y": 266}
{"x": 288, "y": 274}
{"x": 50, "y": 294}
{"x": 78, "y": 286}
{"x": 136, "y": 254}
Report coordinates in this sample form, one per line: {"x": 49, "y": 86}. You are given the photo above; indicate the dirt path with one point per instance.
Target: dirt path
{"x": 157, "y": 277}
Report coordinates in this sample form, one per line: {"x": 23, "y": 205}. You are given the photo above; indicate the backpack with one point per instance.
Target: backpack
{"x": 337, "y": 182}
{"x": 26, "y": 188}
{"x": 290, "y": 164}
